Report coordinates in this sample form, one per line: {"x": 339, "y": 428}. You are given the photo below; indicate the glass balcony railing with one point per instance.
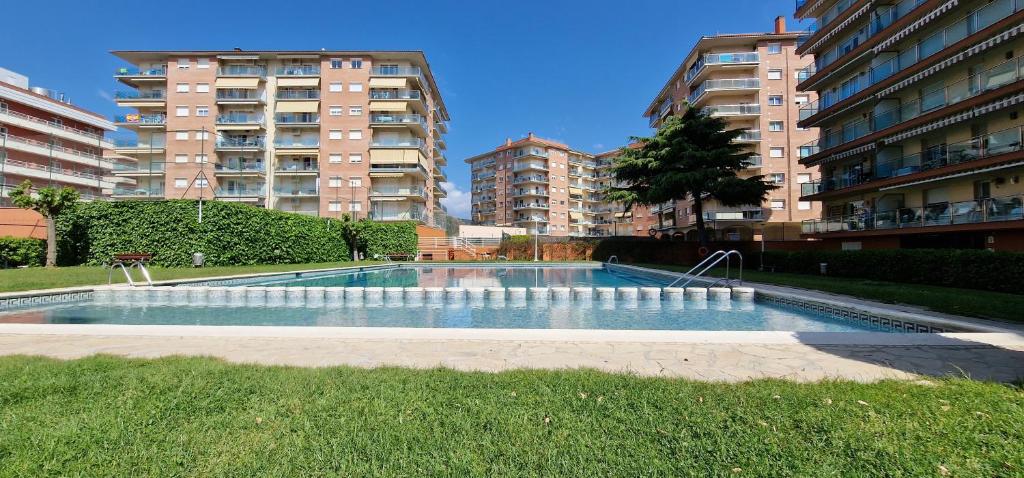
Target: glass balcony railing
{"x": 530, "y": 192}
{"x": 242, "y": 70}
{"x": 379, "y": 94}
{"x": 732, "y": 110}
{"x": 392, "y": 70}
{"x": 139, "y": 168}
{"x": 140, "y": 95}
{"x": 981, "y": 147}
{"x": 136, "y": 144}
{"x": 531, "y": 205}
{"x": 138, "y": 119}
{"x": 298, "y": 70}
{"x": 138, "y": 192}
{"x": 141, "y": 72}
{"x": 721, "y": 59}
{"x": 530, "y": 179}
{"x": 235, "y": 166}
{"x": 297, "y": 118}
{"x": 382, "y": 213}
{"x": 296, "y": 191}
{"x": 977, "y": 211}
{"x": 398, "y": 119}
{"x": 754, "y": 161}
{"x": 416, "y": 143}
{"x": 240, "y": 142}
{"x": 528, "y": 165}
{"x": 239, "y": 191}
{"x": 292, "y": 142}
{"x": 240, "y": 118}
{"x": 1001, "y": 75}
{"x": 727, "y": 84}
{"x": 238, "y": 95}
{"x": 483, "y": 164}
{"x": 298, "y": 94}
{"x": 298, "y": 167}
{"x": 386, "y": 191}
{"x": 750, "y": 135}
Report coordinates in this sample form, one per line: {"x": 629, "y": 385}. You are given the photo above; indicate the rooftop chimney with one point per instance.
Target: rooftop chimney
{"x": 529, "y": 135}
{"x": 780, "y": 24}
{"x": 508, "y": 141}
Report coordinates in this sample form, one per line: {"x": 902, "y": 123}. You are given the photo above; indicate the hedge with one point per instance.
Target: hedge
{"x": 230, "y": 234}
{"x": 21, "y": 251}
{"x": 388, "y": 238}
{"x": 962, "y": 268}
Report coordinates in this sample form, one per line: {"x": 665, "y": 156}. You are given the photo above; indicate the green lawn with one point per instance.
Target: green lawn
{"x": 12, "y": 280}
{"x": 966, "y": 302}
{"x": 107, "y": 416}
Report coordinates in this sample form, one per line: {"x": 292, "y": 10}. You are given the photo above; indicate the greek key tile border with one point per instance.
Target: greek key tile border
{"x": 29, "y": 301}
{"x": 850, "y": 314}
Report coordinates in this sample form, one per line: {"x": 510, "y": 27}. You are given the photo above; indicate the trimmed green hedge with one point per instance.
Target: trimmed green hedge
{"x": 388, "y": 238}
{"x": 230, "y": 234}
{"x": 963, "y": 268}
{"x": 21, "y": 251}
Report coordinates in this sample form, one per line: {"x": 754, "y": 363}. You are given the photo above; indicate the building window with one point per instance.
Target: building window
{"x": 334, "y": 181}
{"x": 201, "y": 135}
{"x": 334, "y": 206}
{"x": 801, "y": 99}
{"x": 334, "y": 134}
{"x": 202, "y": 87}
{"x": 355, "y": 134}
{"x": 181, "y": 158}
{"x": 180, "y": 183}
{"x": 182, "y": 63}
{"x": 803, "y": 205}
{"x": 355, "y": 87}
{"x": 202, "y": 63}
{"x": 355, "y": 110}
{"x": 334, "y": 110}
{"x": 774, "y": 48}
{"x": 777, "y": 178}
{"x": 335, "y": 63}
{"x": 355, "y": 182}
{"x": 181, "y": 111}
{"x": 182, "y": 88}
{"x": 181, "y": 135}
{"x": 335, "y": 87}
{"x": 778, "y": 204}
{"x": 334, "y": 158}
{"x": 355, "y": 157}
{"x": 774, "y": 74}
{"x": 775, "y": 100}
{"x": 802, "y": 178}
{"x": 356, "y": 63}
{"x": 775, "y": 152}
{"x": 202, "y": 111}
{"x": 355, "y": 206}
{"x": 202, "y": 159}
{"x": 201, "y": 183}
{"x": 775, "y": 126}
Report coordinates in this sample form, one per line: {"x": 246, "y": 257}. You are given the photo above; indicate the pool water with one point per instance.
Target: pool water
{"x": 455, "y": 276}
{"x": 610, "y": 315}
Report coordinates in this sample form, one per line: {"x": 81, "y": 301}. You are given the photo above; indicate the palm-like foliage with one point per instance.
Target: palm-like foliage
{"x": 49, "y": 203}
{"x": 691, "y": 156}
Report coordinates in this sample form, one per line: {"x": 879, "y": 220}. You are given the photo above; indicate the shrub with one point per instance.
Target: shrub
{"x": 230, "y": 234}
{"x": 963, "y": 268}
{"x": 21, "y": 251}
{"x": 388, "y": 238}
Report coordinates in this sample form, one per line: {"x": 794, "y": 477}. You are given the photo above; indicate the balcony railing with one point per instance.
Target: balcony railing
{"x": 153, "y": 167}
{"x": 240, "y": 167}
{"x": 231, "y": 142}
{"x": 81, "y": 173}
{"x": 735, "y": 215}
{"x": 139, "y": 95}
{"x": 300, "y": 70}
{"x": 298, "y": 94}
{"x": 399, "y": 143}
{"x": 398, "y": 119}
{"x": 981, "y": 147}
{"x": 399, "y": 169}
{"x": 377, "y": 94}
{"x": 826, "y": 18}
{"x": 1001, "y": 75}
{"x": 8, "y": 112}
{"x": 390, "y": 214}
{"x": 413, "y": 71}
{"x": 238, "y": 95}
{"x": 154, "y": 120}
{"x": 732, "y": 110}
{"x": 726, "y": 84}
{"x": 297, "y": 168}
{"x": 1006, "y": 208}
{"x": 530, "y": 179}
{"x": 138, "y": 192}
{"x": 256, "y": 191}
{"x": 483, "y": 164}
{"x": 296, "y": 191}
{"x": 531, "y": 205}
{"x": 399, "y": 191}
{"x": 297, "y": 118}
{"x": 934, "y": 43}
{"x": 528, "y": 165}
{"x": 721, "y": 59}
{"x": 750, "y": 135}
{"x": 754, "y": 161}
{"x": 242, "y": 70}
{"x": 881, "y": 19}
{"x": 240, "y": 118}
{"x": 291, "y": 142}
{"x": 155, "y": 72}
{"x": 530, "y": 192}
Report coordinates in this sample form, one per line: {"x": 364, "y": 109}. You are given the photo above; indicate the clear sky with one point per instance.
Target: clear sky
{"x": 577, "y": 71}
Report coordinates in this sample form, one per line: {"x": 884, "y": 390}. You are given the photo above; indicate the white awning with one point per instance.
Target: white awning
{"x": 298, "y": 82}
{"x": 247, "y": 83}
{"x": 298, "y": 106}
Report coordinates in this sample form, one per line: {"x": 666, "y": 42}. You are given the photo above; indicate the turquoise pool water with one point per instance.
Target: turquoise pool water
{"x": 462, "y": 276}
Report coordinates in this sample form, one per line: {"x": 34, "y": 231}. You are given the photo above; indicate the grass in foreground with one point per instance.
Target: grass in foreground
{"x": 107, "y": 416}
{"x": 966, "y": 302}
{"x": 12, "y": 280}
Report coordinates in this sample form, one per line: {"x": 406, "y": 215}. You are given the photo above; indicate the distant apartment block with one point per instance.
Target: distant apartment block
{"x": 750, "y": 80}
{"x": 920, "y": 121}
{"x": 313, "y": 132}
{"x": 546, "y": 187}
{"x": 47, "y": 140}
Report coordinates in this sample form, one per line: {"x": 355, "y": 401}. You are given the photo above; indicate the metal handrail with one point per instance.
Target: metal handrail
{"x": 714, "y": 259}
{"x": 609, "y": 261}
{"x": 127, "y": 272}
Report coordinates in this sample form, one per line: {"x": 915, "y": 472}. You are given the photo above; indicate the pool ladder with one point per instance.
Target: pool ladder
{"x": 711, "y": 261}
{"x": 127, "y": 272}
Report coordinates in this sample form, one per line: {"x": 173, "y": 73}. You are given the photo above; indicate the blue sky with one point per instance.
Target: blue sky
{"x": 577, "y": 71}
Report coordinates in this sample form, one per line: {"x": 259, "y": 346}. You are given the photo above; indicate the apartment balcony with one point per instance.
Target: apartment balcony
{"x": 530, "y": 166}
{"x": 297, "y": 120}
{"x": 390, "y": 193}
{"x": 754, "y": 162}
{"x": 152, "y": 168}
{"x": 240, "y": 121}
{"x": 289, "y": 144}
{"x": 483, "y": 176}
{"x": 528, "y": 192}
{"x": 242, "y": 193}
{"x": 136, "y": 76}
{"x": 239, "y": 97}
{"x": 733, "y": 110}
{"x": 410, "y": 143}
{"x": 439, "y": 191}
{"x": 749, "y": 136}
{"x": 482, "y": 164}
{"x": 9, "y": 117}
{"x": 405, "y": 72}
{"x": 385, "y": 100}
{"x": 298, "y": 70}
{"x": 89, "y": 177}
{"x": 531, "y": 205}
{"x": 297, "y": 169}
{"x": 231, "y": 143}
{"x": 711, "y": 61}
{"x": 440, "y": 125}
{"x": 296, "y": 191}
{"x": 734, "y": 214}
{"x": 141, "y": 121}
{"x": 242, "y": 71}
{"x": 380, "y": 212}
{"x": 528, "y": 179}
{"x": 726, "y": 87}
{"x": 962, "y": 214}
{"x": 439, "y": 143}
{"x": 235, "y": 168}
{"x": 122, "y": 192}
{"x": 140, "y": 99}
{"x": 135, "y": 147}
{"x": 397, "y": 170}
{"x": 297, "y": 95}
{"x": 416, "y": 123}
{"x": 439, "y": 157}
